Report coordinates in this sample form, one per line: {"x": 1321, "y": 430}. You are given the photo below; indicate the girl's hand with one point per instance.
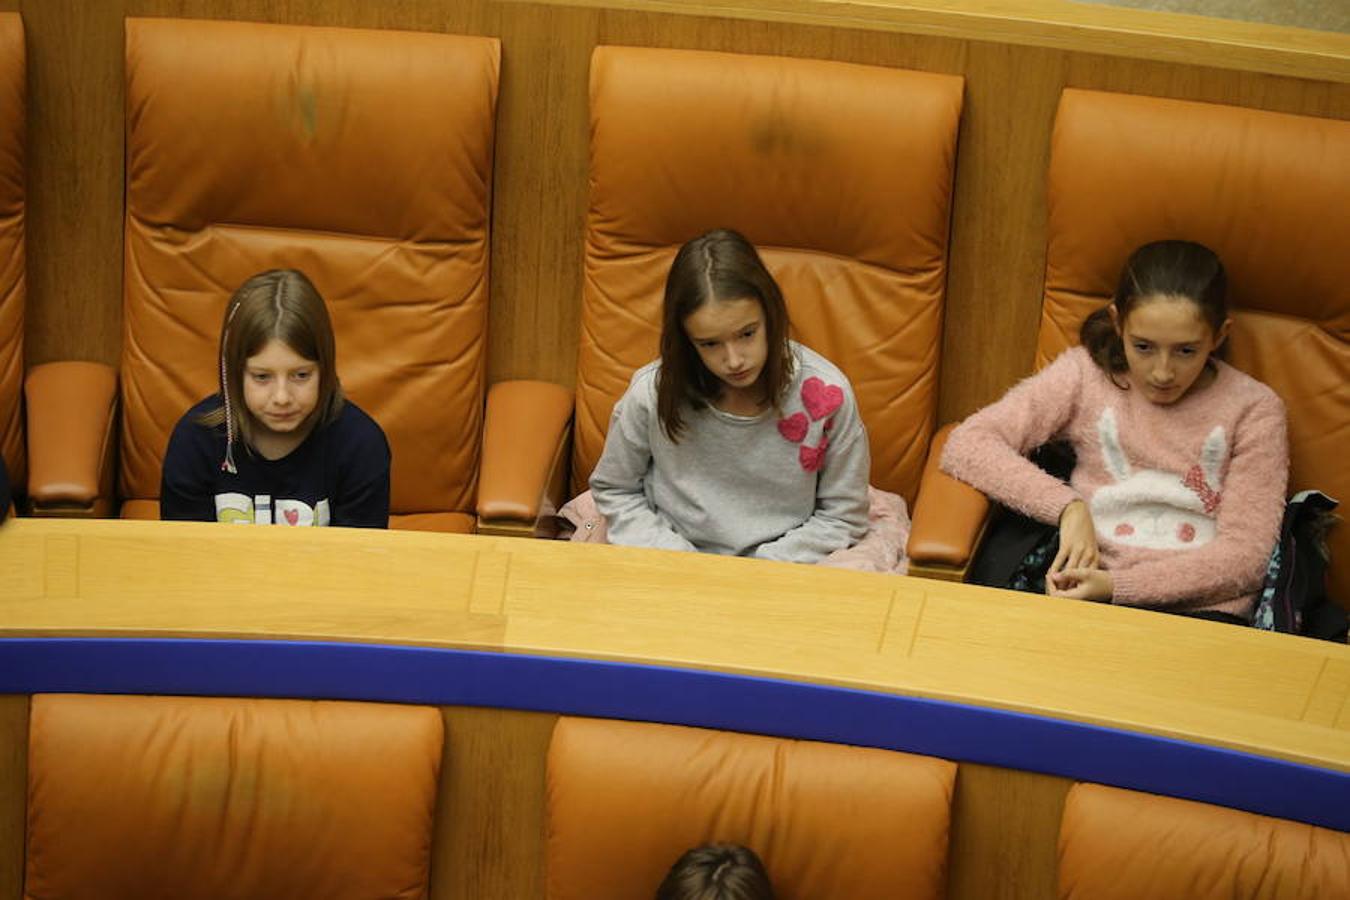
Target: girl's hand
{"x": 1077, "y": 540}
{"x": 1081, "y": 584}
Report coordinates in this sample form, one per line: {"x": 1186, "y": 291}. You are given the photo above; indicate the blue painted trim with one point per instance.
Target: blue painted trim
{"x": 679, "y": 696}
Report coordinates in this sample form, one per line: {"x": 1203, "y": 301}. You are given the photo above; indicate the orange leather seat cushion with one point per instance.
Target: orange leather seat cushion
{"x": 140, "y": 509}
{"x": 1268, "y": 193}
{"x": 363, "y": 158}
{"x": 626, "y": 799}
{"x": 176, "y": 797}
{"x": 1125, "y": 845}
{"x": 13, "y": 177}
{"x": 455, "y": 523}
{"x": 840, "y": 174}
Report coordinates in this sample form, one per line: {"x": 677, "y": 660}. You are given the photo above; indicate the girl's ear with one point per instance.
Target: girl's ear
{"x": 1115, "y": 319}
{"x": 1222, "y": 334}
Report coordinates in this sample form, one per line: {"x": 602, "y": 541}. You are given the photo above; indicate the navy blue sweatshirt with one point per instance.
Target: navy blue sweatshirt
{"x": 339, "y": 475}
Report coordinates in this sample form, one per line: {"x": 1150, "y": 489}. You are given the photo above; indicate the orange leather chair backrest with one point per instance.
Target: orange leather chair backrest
{"x": 1125, "y": 845}
{"x": 830, "y": 822}
{"x": 363, "y": 158}
{"x": 840, "y": 174}
{"x": 13, "y": 212}
{"x": 1268, "y": 192}
{"x": 173, "y": 797}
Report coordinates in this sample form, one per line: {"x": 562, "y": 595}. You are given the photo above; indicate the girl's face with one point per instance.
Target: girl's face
{"x": 1167, "y": 343}
{"x": 281, "y": 387}
{"x": 730, "y": 338}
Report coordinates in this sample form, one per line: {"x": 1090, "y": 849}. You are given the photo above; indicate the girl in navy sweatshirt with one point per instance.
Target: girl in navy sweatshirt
{"x": 279, "y": 444}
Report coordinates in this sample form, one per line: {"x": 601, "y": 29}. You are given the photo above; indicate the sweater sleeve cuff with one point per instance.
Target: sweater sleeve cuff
{"x": 1124, "y": 588}
{"x": 1048, "y": 507}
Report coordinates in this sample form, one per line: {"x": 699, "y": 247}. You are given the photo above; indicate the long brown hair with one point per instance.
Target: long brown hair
{"x": 1180, "y": 269}
{"x": 717, "y": 872}
{"x": 718, "y": 266}
{"x": 284, "y": 305}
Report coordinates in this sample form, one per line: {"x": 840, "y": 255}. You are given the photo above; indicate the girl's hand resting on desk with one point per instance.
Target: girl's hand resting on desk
{"x": 1077, "y": 540}
{"x": 1081, "y": 584}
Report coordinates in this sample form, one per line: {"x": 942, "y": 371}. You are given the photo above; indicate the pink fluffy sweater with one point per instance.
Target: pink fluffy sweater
{"x": 1186, "y": 498}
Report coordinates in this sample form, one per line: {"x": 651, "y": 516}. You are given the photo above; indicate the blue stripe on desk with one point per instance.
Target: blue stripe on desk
{"x": 770, "y": 706}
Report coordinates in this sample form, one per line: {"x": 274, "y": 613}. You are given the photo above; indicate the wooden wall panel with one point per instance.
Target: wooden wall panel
{"x": 489, "y": 840}
{"x": 13, "y": 791}
{"x": 75, "y": 117}
{"x": 1005, "y": 833}
{"x": 1014, "y": 70}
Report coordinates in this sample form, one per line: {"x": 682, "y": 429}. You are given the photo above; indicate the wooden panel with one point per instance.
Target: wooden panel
{"x": 1015, "y": 54}
{"x": 1005, "y": 830}
{"x": 1056, "y": 24}
{"x": 489, "y": 840}
{"x": 75, "y": 101}
{"x": 13, "y": 791}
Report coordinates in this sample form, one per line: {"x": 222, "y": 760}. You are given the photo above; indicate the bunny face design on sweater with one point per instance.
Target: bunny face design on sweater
{"x": 1155, "y": 509}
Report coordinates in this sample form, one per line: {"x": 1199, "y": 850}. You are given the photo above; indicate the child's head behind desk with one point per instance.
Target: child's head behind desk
{"x": 717, "y": 872}
{"x": 278, "y": 364}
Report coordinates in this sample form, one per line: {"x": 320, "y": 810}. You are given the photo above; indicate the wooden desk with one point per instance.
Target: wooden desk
{"x": 666, "y": 617}
{"x": 1273, "y": 695}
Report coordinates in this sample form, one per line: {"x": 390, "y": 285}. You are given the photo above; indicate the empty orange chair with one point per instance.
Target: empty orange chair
{"x": 625, "y": 799}
{"x": 1270, "y": 194}
{"x": 173, "y": 797}
{"x": 1124, "y": 845}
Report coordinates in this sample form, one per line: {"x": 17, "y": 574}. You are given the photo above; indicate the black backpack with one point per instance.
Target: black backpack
{"x": 1294, "y": 598}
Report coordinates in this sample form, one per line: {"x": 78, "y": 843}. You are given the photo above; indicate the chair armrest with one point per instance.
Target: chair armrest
{"x": 71, "y": 416}
{"x": 949, "y": 520}
{"x": 526, "y": 441}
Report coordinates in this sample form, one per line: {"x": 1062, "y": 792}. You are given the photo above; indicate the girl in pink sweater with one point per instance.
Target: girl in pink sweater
{"x": 1182, "y": 461}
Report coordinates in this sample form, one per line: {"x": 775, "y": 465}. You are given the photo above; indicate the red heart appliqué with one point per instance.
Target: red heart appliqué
{"x": 793, "y": 428}
{"x": 292, "y": 516}
{"x": 821, "y": 399}
{"x": 812, "y": 458}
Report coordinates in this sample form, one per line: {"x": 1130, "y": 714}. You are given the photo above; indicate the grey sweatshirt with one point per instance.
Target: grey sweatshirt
{"x": 745, "y": 486}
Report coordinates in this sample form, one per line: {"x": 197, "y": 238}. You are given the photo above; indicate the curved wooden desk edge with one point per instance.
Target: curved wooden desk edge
{"x": 644, "y": 692}
{"x": 1073, "y": 26}
{"x": 883, "y": 646}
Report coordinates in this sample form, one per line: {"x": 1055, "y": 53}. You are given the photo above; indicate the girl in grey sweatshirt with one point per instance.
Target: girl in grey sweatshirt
{"x": 737, "y": 440}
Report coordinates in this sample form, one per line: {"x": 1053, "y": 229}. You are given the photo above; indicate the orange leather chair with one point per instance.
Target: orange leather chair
{"x": 840, "y": 174}
{"x": 626, "y": 799}
{"x": 363, "y": 158}
{"x": 173, "y": 797}
{"x": 13, "y": 211}
{"x": 1270, "y": 193}
{"x": 1123, "y": 845}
